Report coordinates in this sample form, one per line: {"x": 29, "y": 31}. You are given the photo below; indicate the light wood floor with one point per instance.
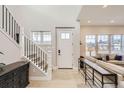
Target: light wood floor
{"x": 62, "y": 78}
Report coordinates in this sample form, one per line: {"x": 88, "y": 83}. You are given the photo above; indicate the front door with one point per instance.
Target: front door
{"x": 64, "y": 48}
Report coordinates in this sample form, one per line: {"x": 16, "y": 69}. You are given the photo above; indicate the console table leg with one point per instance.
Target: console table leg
{"x": 85, "y": 73}
{"x": 102, "y": 82}
{"x": 93, "y": 76}
{"x": 116, "y": 81}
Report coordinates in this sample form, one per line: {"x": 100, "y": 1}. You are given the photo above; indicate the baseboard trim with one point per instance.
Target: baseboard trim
{"x": 75, "y": 68}
{"x": 55, "y": 67}
{"x": 37, "y": 78}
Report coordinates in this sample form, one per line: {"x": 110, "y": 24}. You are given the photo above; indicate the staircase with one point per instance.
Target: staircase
{"x": 29, "y": 50}
{"x": 33, "y": 53}
{"x": 9, "y": 25}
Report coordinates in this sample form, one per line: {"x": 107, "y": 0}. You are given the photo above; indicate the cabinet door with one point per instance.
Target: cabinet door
{"x": 1, "y": 81}
{"x": 6, "y": 80}
{"x": 21, "y": 76}
{"x": 25, "y": 77}
{"x": 17, "y": 77}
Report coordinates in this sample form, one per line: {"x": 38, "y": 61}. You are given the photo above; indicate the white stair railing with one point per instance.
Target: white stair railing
{"x": 30, "y": 50}
{"x": 35, "y": 54}
{"x": 9, "y": 24}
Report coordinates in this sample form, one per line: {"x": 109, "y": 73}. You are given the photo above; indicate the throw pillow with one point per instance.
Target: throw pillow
{"x": 112, "y": 56}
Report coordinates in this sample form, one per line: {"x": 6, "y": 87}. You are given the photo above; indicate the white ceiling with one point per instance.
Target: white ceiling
{"x": 97, "y": 15}
{"x": 37, "y": 15}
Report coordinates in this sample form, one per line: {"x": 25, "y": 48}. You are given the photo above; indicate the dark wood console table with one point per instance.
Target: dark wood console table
{"x": 98, "y": 76}
{"x": 15, "y": 75}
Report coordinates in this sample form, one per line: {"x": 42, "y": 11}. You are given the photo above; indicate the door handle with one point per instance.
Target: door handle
{"x": 59, "y": 52}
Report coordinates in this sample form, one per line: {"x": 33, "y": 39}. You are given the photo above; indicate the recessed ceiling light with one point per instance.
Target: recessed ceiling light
{"x": 112, "y": 21}
{"x": 88, "y": 21}
{"x": 105, "y": 6}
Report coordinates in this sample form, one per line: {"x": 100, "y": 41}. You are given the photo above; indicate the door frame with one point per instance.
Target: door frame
{"x": 68, "y": 29}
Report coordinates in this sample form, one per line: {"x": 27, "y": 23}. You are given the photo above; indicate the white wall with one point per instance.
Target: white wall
{"x": 7, "y": 45}
{"x": 10, "y": 50}
{"x": 47, "y": 18}
{"x": 98, "y": 30}
{"x": 0, "y": 16}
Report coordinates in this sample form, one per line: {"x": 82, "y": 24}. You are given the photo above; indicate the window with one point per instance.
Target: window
{"x": 115, "y": 43}
{"x": 41, "y": 37}
{"x": 122, "y": 43}
{"x": 90, "y": 45}
{"x": 65, "y": 35}
{"x": 103, "y": 44}
{"x": 47, "y": 37}
{"x": 36, "y": 37}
